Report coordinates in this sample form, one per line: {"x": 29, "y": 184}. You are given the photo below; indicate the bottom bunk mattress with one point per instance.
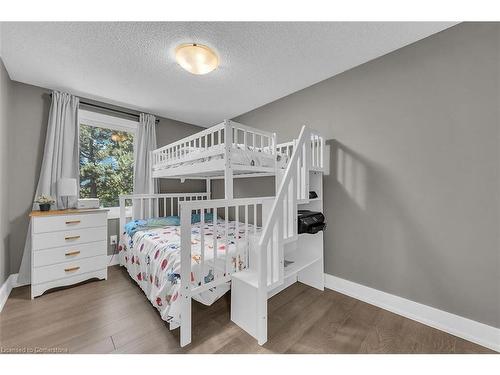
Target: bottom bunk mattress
{"x": 153, "y": 259}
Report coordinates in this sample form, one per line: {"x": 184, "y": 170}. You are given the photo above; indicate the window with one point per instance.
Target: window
{"x": 106, "y": 158}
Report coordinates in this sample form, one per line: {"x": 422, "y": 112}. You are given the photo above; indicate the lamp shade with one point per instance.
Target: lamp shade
{"x": 196, "y": 58}
{"x": 66, "y": 187}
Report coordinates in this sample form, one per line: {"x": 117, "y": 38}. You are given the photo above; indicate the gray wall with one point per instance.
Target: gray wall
{"x": 5, "y": 90}
{"x": 246, "y": 187}
{"x": 414, "y": 208}
{"x": 28, "y": 116}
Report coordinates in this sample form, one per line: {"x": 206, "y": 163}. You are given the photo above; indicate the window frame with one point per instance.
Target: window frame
{"x": 101, "y": 120}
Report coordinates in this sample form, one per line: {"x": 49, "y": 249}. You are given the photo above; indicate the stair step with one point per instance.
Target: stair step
{"x": 247, "y": 276}
{"x": 250, "y": 277}
{"x": 306, "y": 201}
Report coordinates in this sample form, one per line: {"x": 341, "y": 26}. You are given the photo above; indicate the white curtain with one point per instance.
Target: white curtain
{"x": 144, "y": 143}
{"x": 60, "y": 160}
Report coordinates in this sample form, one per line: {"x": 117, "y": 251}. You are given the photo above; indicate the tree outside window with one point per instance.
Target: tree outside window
{"x": 106, "y": 164}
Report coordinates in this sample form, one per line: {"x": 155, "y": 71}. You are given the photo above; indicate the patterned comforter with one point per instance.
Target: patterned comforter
{"x": 152, "y": 258}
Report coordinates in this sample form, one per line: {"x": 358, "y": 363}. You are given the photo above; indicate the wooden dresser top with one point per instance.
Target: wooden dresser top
{"x": 71, "y": 211}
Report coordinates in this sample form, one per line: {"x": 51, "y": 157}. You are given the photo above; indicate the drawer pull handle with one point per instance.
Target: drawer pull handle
{"x": 76, "y": 252}
{"x": 73, "y": 222}
{"x": 71, "y": 269}
{"x": 71, "y": 238}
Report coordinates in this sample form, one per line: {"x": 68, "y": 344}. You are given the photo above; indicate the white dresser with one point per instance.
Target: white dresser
{"x": 67, "y": 247}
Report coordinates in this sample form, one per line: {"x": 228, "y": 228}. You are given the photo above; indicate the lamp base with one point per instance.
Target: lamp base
{"x": 66, "y": 206}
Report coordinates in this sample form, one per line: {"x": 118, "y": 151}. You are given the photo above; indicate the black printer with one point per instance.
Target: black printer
{"x": 310, "y": 221}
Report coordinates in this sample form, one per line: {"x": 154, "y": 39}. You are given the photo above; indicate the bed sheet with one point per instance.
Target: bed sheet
{"x": 152, "y": 259}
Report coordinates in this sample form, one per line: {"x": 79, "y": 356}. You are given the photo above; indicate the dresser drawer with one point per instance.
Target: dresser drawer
{"x": 68, "y": 253}
{"x": 68, "y": 238}
{"x": 68, "y": 222}
{"x": 68, "y": 269}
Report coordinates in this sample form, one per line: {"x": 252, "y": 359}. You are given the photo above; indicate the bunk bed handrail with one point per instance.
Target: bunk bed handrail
{"x": 252, "y": 130}
{"x": 267, "y": 140}
{"x": 162, "y": 195}
{"x": 280, "y": 224}
{"x": 281, "y": 220}
{"x": 283, "y": 187}
{"x": 286, "y": 144}
{"x": 192, "y": 137}
{"x": 198, "y": 205}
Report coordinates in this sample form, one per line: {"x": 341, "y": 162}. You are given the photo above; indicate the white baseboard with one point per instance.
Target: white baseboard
{"x": 467, "y": 329}
{"x": 6, "y": 288}
{"x": 113, "y": 260}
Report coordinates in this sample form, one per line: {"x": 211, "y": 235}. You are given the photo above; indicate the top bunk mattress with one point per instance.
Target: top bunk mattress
{"x": 239, "y": 156}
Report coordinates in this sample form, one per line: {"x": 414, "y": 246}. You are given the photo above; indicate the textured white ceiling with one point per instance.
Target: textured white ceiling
{"x": 132, "y": 64}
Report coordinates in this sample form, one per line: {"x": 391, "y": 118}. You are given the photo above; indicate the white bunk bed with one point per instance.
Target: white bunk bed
{"x": 221, "y": 243}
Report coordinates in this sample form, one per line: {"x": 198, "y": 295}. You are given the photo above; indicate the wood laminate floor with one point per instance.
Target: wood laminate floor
{"x": 114, "y": 316}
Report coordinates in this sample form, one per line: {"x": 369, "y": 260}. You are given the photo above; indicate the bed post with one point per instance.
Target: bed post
{"x": 208, "y": 188}
{"x": 228, "y": 171}
{"x": 122, "y": 214}
{"x": 185, "y": 291}
{"x": 277, "y": 171}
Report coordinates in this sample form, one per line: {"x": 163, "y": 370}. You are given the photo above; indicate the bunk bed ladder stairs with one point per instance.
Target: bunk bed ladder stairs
{"x": 251, "y": 288}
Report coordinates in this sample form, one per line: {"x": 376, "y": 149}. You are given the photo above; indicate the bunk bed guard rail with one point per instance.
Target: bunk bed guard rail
{"x": 189, "y": 148}
{"x": 144, "y": 206}
{"x": 317, "y": 150}
{"x": 247, "y": 214}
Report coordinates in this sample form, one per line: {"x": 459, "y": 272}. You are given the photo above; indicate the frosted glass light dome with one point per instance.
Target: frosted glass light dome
{"x": 196, "y": 58}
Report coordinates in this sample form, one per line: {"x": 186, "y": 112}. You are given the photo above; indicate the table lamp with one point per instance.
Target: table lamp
{"x": 66, "y": 187}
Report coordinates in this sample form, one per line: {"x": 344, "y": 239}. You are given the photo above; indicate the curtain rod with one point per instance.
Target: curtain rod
{"x": 110, "y": 109}
{"x": 113, "y": 110}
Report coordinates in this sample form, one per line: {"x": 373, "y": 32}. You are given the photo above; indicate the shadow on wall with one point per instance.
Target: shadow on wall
{"x": 372, "y": 236}
{"x": 350, "y": 173}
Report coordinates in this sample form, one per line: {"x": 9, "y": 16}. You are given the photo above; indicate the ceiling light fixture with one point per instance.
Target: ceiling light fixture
{"x": 196, "y": 58}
